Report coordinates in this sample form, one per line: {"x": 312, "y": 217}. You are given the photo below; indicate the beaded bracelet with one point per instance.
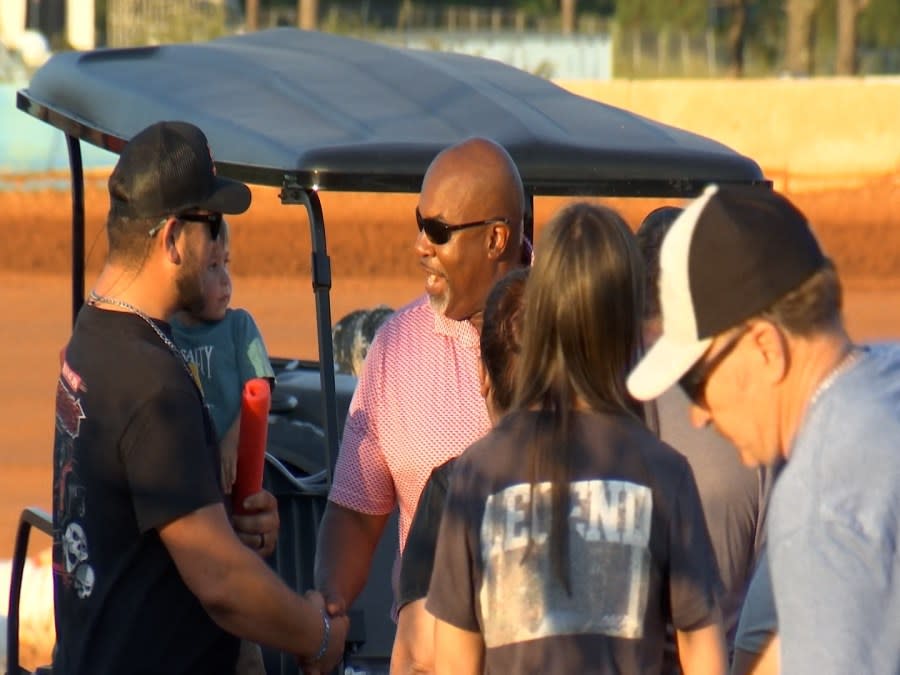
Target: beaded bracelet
{"x": 326, "y": 623}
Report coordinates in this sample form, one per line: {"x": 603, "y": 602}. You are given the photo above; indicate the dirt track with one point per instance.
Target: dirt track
{"x": 371, "y": 234}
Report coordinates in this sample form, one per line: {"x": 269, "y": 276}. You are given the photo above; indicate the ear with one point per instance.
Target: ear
{"x": 499, "y": 238}
{"x": 170, "y": 235}
{"x": 773, "y": 349}
{"x": 484, "y": 380}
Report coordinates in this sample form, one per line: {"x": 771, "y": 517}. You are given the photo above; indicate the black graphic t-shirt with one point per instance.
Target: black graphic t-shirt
{"x": 133, "y": 451}
{"x": 639, "y": 552}
{"x": 417, "y": 562}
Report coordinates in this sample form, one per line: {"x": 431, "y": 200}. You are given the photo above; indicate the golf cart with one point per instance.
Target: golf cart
{"x": 306, "y": 112}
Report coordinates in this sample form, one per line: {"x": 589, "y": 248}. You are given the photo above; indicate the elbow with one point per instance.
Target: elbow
{"x": 421, "y": 661}
{"x": 215, "y": 594}
{"x": 216, "y": 602}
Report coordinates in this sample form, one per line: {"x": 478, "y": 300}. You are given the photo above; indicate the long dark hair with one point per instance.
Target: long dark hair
{"x": 581, "y": 335}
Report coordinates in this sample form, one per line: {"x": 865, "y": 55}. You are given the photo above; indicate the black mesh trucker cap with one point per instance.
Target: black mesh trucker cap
{"x": 730, "y": 255}
{"x": 168, "y": 168}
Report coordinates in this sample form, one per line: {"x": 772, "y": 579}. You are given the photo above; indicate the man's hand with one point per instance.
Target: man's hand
{"x": 228, "y": 450}
{"x": 229, "y": 467}
{"x": 337, "y": 636}
{"x": 258, "y": 528}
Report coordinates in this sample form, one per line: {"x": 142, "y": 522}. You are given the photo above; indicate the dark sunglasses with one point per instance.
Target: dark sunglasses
{"x": 212, "y": 220}
{"x": 693, "y": 382}
{"x": 439, "y": 232}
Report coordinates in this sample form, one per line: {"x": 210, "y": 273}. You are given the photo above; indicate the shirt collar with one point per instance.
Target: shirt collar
{"x": 461, "y": 331}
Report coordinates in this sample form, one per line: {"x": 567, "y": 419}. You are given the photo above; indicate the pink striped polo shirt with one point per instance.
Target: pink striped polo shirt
{"x": 417, "y": 404}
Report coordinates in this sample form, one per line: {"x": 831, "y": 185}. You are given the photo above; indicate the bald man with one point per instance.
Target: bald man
{"x": 418, "y": 402}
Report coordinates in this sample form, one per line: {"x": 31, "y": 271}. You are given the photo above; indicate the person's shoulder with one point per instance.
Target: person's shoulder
{"x": 415, "y": 310}
{"x": 239, "y": 319}
{"x": 879, "y": 371}
{"x": 629, "y": 429}
{"x": 863, "y": 406}
{"x": 659, "y": 458}
{"x": 238, "y": 315}
{"x": 500, "y": 446}
{"x": 442, "y": 472}
{"x": 406, "y": 322}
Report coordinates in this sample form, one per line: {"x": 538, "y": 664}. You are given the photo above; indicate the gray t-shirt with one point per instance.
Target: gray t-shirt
{"x": 834, "y": 527}
{"x": 227, "y": 354}
{"x": 733, "y": 498}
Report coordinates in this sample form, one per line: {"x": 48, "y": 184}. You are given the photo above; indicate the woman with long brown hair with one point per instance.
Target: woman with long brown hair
{"x": 571, "y": 533}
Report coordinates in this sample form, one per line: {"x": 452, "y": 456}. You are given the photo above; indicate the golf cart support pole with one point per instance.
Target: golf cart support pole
{"x": 293, "y": 193}
{"x": 76, "y": 169}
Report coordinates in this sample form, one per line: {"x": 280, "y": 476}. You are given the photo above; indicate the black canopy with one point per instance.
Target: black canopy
{"x": 344, "y": 114}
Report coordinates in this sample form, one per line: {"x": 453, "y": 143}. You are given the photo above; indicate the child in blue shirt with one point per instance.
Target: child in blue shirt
{"x": 225, "y": 348}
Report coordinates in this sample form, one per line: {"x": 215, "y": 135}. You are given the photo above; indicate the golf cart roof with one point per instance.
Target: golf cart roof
{"x": 337, "y": 113}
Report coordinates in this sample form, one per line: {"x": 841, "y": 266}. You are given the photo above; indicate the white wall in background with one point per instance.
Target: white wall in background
{"x": 80, "y": 24}
{"x": 551, "y": 55}
{"x": 12, "y": 22}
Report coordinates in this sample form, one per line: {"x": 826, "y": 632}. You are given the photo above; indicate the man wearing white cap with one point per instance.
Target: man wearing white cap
{"x": 753, "y": 333}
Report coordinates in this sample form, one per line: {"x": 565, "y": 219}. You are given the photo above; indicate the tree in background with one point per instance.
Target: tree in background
{"x": 251, "y": 14}
{"x": 879, "y": 36}
{"x": 848, "y": 11}
{"x": 307, "y": 14}
{"x": 736, "y": 36}
{"x": 567, "y": 16}
{"x": 800, "y": 36}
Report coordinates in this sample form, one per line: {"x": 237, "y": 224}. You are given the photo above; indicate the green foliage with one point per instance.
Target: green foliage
{"x": 165, "y": 22}
{"x": 879, "y": 24}
{"x": 659, "y": 14}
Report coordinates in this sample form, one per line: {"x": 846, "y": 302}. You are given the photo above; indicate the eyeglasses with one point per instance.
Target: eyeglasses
{"x": 439, "y": 232}
{"x": 212, "y": 220}
{"x": 693, "y": 382}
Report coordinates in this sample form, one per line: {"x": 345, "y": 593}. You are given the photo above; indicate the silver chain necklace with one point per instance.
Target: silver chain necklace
{"x": 842, "y": 366}
{"x": 94, "y": 298}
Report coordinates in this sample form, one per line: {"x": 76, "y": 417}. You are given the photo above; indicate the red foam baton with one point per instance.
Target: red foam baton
{"x": 255, "y": 402}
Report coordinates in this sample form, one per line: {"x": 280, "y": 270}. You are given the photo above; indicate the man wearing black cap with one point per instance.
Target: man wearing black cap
{"x": 150, "y": 575}
{"x": 753, "y": 333}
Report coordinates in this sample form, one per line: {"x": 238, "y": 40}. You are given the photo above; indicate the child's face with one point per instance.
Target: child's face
{"x": 217, "y": 284}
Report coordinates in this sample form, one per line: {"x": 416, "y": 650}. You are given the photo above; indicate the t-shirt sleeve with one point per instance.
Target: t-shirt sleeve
{"x": 362, "y": 478}
{"x": 453, "y": 590}
{"x": 171, "y": 468}
{"x": 758, "y": 623}
{"x": 252, "y": 356}
{"x": 693, "y": 574}
{"x": 418, "y": 555}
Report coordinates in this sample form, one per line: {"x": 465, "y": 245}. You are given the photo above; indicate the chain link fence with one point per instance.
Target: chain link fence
{"x": 151, "y": 22}
{"x": 637, "y": 53}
